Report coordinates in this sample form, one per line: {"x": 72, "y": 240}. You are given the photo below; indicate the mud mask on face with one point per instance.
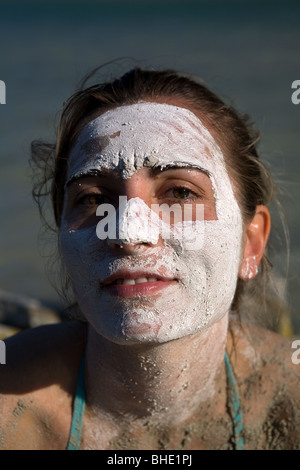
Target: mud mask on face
{"x": 127, "y": 139}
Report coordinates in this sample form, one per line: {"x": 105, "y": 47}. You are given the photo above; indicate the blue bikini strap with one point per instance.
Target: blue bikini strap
{"x": 233, "y": 403}
{"x": 78, "y": 411}
{"x": 234, "y": 407}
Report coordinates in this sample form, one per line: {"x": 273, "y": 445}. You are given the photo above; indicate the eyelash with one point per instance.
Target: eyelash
{"x": 192, "y": 196}
{"x": 80, "y": 200}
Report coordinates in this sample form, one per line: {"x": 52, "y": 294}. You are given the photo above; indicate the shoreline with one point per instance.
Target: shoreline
{"x": 18, "y": 312}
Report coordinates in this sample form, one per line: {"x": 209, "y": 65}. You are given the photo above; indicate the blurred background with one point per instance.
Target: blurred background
{"x": 246, "y": 51}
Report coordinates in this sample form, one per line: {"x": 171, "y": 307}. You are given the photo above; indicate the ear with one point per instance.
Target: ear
{"x": 256, "y": 237}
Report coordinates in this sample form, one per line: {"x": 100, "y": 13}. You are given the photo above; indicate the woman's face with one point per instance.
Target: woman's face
{"x": 151, "y": 231}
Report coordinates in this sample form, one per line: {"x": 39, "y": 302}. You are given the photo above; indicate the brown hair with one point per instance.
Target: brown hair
{"x": 230, "y": 129}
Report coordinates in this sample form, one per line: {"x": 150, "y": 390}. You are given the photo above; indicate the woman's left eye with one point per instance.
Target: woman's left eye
{"x": 181, "y": 192}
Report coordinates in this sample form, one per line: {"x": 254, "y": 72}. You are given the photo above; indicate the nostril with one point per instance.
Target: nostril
{"x": 115, "y": 243}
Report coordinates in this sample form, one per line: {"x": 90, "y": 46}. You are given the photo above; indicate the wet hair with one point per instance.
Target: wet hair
{"x": 231, "y": 130}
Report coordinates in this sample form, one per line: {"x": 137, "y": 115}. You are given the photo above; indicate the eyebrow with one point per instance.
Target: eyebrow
{"x": 87, "y": 173}
{"x": 154, "y": 170}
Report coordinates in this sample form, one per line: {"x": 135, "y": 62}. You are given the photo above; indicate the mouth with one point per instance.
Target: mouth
{"x": 132, "y": 284}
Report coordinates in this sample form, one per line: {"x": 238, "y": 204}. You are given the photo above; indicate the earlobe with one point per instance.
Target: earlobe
{"x": 256, "y": 237}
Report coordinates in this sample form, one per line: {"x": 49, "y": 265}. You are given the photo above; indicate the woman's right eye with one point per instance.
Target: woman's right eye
{"x": 91, "y": 199}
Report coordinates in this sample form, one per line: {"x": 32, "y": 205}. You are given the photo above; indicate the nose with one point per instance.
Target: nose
{"x": 136, "y": 225}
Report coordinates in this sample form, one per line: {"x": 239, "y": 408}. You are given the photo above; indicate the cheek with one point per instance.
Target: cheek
{"x": 213, "y": 271}
{"x": 78, "y": 216}
{"x": 81, "y": 251}
{"x": 223, "y": 250}
{"x": 83, "y": 218}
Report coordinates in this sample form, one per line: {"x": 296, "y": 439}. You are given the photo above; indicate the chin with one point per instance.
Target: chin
{"x": 136, "y": 330}
{"x": 147, "y": 321}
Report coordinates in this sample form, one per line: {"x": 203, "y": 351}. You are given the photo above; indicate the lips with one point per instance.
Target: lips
{"x": 139, "y": 280}
{"x": 130, "y": 284}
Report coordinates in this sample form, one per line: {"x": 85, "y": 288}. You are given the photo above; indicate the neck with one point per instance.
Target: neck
{"x": 169, "y": 380}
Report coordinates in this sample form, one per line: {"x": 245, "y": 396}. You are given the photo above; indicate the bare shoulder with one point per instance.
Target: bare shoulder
{"x": 39, "y": 376}
{"x": 269, "y": 384}
{"x": 41, "y": 355}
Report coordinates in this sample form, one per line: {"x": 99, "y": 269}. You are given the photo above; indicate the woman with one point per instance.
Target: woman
{"x": 160, "y": 203}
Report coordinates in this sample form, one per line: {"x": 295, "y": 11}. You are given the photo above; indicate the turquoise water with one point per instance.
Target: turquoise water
{"x": 247, "y": 51}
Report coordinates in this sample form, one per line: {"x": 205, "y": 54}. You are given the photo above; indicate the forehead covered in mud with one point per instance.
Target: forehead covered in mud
{"x": 155, "y": 135}
{"x": 130, "y": 137}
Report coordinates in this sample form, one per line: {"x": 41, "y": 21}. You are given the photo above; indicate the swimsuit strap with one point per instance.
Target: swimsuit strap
{"x": 78, "y": 411}
{"x": 234, "y": 407}
{"x": 79, "y": 406}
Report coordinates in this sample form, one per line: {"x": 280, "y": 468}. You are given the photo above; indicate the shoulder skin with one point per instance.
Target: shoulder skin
{"x": 37, "y": 384}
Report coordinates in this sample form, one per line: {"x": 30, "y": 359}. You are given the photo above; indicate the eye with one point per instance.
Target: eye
{"x": 181, "y": 193}
{"x": 92, "y": 199}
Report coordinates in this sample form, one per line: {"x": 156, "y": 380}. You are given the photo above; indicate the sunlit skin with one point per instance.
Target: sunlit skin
{"x": 143, "y": 395}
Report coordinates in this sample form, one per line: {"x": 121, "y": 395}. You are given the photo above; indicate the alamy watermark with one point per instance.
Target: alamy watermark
{"x": 296, "y": 354}
{"x": 2, "y": 352}
{"x": 135, "y": 222}
{"x": 296, "y": 94}
{"x": 2, "y": 92}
